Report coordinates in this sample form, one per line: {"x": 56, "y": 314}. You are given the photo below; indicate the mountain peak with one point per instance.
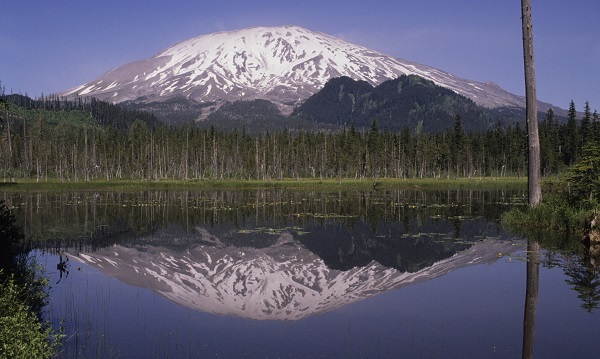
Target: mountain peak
{"x": 284, "y": 64}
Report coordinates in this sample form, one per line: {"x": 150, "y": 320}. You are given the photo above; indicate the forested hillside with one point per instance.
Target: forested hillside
{"x": 100, "y": 112}
{"x": 95, "y": 140}
{"x": 408, "y": 101}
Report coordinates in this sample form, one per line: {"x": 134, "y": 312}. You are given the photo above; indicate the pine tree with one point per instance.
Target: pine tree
{"x": 596, "y": 126}
{"x": 457, "y": 143}
{"x": 584, "y": 176}
{"x": 571, "y": 136}
{"x": 585, "y": 125}
{"x": 551, "y": 149}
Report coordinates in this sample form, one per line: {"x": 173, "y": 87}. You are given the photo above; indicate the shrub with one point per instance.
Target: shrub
{"x": 22, "y": 297}
{"x": 22, "y": 335}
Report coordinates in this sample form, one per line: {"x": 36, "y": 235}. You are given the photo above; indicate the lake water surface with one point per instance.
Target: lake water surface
{"x": 298, "y": 274}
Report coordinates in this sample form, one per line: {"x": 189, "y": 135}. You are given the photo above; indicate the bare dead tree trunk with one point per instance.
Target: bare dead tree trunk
{"x": 534, "y": 174}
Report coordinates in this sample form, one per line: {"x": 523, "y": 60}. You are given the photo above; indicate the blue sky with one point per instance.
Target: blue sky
{"x": 50, "y": 47}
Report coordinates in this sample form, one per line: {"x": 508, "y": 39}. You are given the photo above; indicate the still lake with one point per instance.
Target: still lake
{"x": 300, "y": 274}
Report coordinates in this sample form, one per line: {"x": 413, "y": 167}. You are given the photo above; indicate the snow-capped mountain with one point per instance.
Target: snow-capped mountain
{"x": 284, "y": 281}
{"x": 281, "y": 64}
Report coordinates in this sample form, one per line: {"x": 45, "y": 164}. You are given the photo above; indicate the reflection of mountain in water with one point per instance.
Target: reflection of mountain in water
{"x": 291, "y": 278}
{"x": 358, "y": 246}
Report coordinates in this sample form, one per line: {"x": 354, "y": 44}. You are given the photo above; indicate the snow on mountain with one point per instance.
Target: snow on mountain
{"x": 285, "y": 281}
{"x": 281, "y": 64}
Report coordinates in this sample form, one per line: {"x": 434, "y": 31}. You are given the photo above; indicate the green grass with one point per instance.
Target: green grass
{"x": 55, "y": 185}
{"x": 554, "y": 223}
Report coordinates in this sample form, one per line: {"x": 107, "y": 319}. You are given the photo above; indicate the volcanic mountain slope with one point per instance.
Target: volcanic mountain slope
{"x": 280, "y": 64}
{"x": 284, "y": 281}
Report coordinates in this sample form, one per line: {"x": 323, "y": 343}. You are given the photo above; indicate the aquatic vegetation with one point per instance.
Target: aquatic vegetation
{"x": 552, "y": 222}
{"x": 23, "y": 333}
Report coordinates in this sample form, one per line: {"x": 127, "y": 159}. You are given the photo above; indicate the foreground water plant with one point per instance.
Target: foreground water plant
{"x": 22, "y": 334}
{"x": 23, "y": 293}
{"x": 556, "y": 222}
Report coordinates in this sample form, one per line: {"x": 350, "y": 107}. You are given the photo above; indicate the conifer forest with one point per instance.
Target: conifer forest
{"x": 87, "y": 139}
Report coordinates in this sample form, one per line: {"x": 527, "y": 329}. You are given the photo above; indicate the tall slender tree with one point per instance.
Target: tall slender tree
{"x": 596, "y": 126}
{"x": 534, "y": 172}
{"x": 457, "y": 143}
{"x": 586, "y": 122}
{"x": 571, "y": 135}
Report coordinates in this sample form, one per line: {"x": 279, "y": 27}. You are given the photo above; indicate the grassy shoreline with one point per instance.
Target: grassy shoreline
{"x": 55, "y": 185}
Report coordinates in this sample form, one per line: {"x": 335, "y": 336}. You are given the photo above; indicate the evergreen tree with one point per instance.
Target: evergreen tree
{"x": 585, "y": 125}
{"x": 596, "y": 126}
{"x": 571, "y": 136}
{"x": 584, "y": 176}
{"x": 457, "y": 143}
{"x": 551, "y": 149}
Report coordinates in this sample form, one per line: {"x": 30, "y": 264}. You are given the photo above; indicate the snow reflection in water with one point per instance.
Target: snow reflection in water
{"x": 321, "y": 271}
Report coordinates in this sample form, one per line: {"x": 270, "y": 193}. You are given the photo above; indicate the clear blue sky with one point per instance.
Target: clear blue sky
{"x": 52, "y": 46}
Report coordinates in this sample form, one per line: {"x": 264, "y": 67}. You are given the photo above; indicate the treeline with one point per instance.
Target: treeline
{"x": 75, "y": 144}
{"x": 103, "y": 113}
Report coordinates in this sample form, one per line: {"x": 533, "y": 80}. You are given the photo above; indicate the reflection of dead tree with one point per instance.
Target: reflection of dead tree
{"x": 531, "y": 296}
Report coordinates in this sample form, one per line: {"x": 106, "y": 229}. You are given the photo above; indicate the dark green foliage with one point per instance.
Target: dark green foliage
{"x": 586, "y": 126}
{"x": 551, "y": 146}
{"x": 22, "y": 335}
{"x": 457, "y": 145}
{"x": 596, "y": 127}
{"x": 115, "y": 116}
{"x": 584, "y": 176}
{"x": 342, "y": 101}
{"x": 408, "y": 101}
{"x": 570, "y": 135}
{"x": 22, "y": 296}
{"x": 102, "y": 113}
{"x": 16, "y": 263}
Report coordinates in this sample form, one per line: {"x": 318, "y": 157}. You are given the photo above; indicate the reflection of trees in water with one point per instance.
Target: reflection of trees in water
{"x": 11, "y": 236}
{"x": 104, "y": 218}
{"x": 584, "y": 278}
{"x": 343, "y": 248}
{"x": 580, "y": 264}
{"x": 16, "y": 262}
